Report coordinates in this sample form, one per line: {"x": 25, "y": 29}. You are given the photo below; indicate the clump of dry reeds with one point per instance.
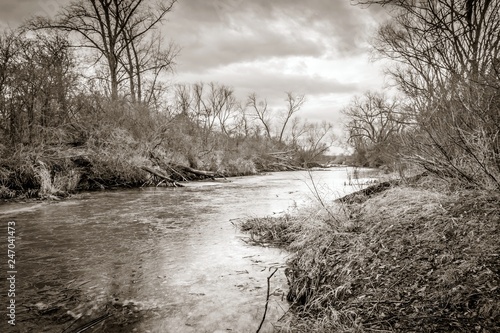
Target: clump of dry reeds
{"x": 278, "y": 231}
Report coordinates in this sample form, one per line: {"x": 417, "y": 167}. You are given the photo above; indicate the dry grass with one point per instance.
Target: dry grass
{"x": 240, "y": 166}
{"x": 57, "y": 171}
{"x": 111, "y": 157}
{"x": 279, "y": 231}
{"x": 60, "y": 184}
{"x": 409, "y": 259}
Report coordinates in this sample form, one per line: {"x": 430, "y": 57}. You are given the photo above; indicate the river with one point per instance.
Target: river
{"x": 156, "y": 259}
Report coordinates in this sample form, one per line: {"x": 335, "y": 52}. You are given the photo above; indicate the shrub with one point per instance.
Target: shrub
{"x": 240, "y": 166}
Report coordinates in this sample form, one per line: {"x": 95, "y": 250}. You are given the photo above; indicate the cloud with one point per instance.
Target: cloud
{"x": 15, "y": 12}
{"x": 216, "y": 33}
{"x": 223, "y": 47}
{"x": 270, "y": 79}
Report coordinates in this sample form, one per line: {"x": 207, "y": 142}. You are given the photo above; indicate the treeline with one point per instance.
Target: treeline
{"x": 446, "y": 116}
{"x": 84, "y": 104}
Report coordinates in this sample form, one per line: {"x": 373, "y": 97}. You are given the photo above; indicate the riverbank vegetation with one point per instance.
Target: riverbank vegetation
{"x": 418, "y": 257}
{"x": 445, "y": 115}
{"x": 85, "y": 103}
{"x": 419, "y": 254}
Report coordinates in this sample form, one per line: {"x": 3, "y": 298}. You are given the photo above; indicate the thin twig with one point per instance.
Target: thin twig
{"x": 91, "y": 324}
{"x": 318, "y": 197}
{"x": 267, "y": 300}
{"x": 67, "y": 328}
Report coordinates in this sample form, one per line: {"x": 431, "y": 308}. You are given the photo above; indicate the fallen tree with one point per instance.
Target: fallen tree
{"x": 202, "y": 173}
{"x": 365, "y": 193}
{"x": 161, "y": 175}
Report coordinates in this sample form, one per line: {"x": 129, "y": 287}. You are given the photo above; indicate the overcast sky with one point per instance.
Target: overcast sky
{"x": 319, "y": 48}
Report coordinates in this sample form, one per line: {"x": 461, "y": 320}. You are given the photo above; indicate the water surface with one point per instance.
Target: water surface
{"x": 156, "y": 259}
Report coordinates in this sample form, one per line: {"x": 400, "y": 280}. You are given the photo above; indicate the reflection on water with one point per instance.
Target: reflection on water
{"x": 156, "y": 259}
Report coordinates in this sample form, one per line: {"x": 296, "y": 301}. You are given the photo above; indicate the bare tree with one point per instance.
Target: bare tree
{"x": 113, "y": 28}
{"x": 261, "y": 112}
{"x": 227, "y": 112}
{"x": 264, "y": 114}
{"x": 199, "y": 106}
{"x": 183, "y": 99}
{"x": 316, "y": 140}
{"x": 373, "y": 118}
{"x": 373, "y": 122}
{"x": 212, "y": 107}
{"x": 222, "y": 104}
{"x": 294, "y": 103}
{"x": 8, "y": 52}
{"x": 439, "y": 41}
{"x": 448, "y": 52}
{"x": 243, "y": 124}
{"x": 146, "y": 59}
{"x": 36, "y": 81}
{"x": 298, "y": 129}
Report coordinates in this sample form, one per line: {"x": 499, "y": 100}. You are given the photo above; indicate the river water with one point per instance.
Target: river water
{"x": 156, "y": 259}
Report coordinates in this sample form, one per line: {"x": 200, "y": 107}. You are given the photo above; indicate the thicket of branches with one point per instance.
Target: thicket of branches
{"x": 374, "y": 126}
{"x": 272, "y": 137}
{"x": 447, "y": 67}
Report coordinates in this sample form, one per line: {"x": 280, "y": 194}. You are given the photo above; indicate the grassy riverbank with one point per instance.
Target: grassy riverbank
{"x": 118, "y": 160}
{"x": 420, "y": 257}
